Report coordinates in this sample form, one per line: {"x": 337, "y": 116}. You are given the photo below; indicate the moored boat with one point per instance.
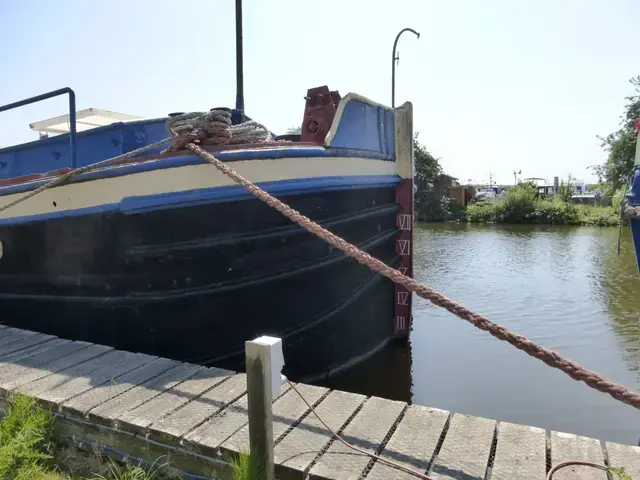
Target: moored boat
{"x": 634, "y": 197}
{"x": 165, "y": 255}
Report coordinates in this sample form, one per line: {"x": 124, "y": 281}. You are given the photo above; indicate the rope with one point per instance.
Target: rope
{"x": 56, "y": 182}
{"x": 390, "y": 463}
{"x": 209, "y": 128}
{"x": 408, "y": 470}
{"x": 551, "y": 358}
{"x": 630, "y": 212}
{"x": 213, "y": 128}
{"x": 574, "y": 462}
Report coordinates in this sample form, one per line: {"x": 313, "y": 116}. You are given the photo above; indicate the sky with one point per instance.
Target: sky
{"x": 497, "y": 85}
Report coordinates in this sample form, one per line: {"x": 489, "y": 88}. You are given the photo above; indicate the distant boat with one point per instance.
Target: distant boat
{"x": 634, "y": 196}
{"x": 486, "y": 194}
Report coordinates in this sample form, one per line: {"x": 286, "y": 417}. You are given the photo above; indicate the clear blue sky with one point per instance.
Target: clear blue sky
{"x": 497, "y": 85}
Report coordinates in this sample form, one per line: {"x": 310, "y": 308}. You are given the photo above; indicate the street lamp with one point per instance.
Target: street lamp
{"x": 395, "y": 58}
{"x": 515, "y": 180}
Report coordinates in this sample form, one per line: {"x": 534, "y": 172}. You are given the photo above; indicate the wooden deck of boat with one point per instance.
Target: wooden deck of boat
{"x": 196, "y": 418}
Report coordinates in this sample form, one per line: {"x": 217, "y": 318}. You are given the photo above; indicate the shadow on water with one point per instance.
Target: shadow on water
{"x": 564, "y": 287}
{"x": 374, "y": 377}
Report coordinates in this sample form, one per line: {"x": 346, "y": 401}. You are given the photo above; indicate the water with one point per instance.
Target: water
{"x": 563, "y": 287}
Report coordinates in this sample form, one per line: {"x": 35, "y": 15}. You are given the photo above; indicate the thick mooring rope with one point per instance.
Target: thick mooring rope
{"x": 551, "y": 358}
{"x": 215, "y": 128}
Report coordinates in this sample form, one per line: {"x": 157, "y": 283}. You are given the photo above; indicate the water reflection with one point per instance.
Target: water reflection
{"x": 618, "y": 290}
{"x": 564, "y": 287}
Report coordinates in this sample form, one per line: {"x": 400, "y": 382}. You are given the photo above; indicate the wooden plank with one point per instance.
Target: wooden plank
{"x": 194, "y": 413}
{"x": 25, "y": 342}
{"x": 287, "y": 409}
{"x": 139, "y": 419}
{"x": 520, "y": 453}
{"x": 625, "y": 456}
{"x": 109, "y": 411}
{"x": 208, "y": 437}
{"x": 466, "y": 447}
{"x": 81, "y": 404}
{"x": 15, "y": 336}
{"x": 51, "y": 374}
{"x": 297, "y": 450}
{"x": 7, "y": 331}
{"x": 19, "y": 355}
{"x": 108, "y": 373}
{"x": 38, "y": 366}
{"x": 413, "y": 443}
{"x": 367, "y": 431}
{"x": 566, "y": 446}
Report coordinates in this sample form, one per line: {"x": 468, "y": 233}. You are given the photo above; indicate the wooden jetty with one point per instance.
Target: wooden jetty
{"x": 145, "y": 407}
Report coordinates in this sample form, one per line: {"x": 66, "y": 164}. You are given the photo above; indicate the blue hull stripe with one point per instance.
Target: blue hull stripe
{"x": 184, "y": 160}
{"x": 162, "y": 201}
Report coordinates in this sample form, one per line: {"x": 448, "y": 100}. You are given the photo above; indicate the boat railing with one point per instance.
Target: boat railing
{"x": 73, "y": 138}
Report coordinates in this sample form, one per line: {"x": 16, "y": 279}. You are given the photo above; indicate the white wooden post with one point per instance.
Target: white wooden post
{"x": 264, "y": 362}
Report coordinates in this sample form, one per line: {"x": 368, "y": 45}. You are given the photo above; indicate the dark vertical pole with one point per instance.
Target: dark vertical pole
{"x": 239, "y": 70}
{"x": 73, "y": 134}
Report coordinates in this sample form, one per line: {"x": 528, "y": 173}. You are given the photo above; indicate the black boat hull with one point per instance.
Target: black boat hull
{"x": 194, "y": 283}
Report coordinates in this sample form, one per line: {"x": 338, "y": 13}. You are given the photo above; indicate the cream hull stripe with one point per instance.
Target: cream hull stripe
{"x": 105, "y": 191}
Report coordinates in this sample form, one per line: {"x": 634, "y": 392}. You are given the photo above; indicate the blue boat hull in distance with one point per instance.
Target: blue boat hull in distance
{"x": 634, "y": 196}
{"x": 167, "y": 256}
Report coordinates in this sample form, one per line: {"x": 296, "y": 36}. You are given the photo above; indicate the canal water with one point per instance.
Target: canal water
{"x": 563, "y": 287}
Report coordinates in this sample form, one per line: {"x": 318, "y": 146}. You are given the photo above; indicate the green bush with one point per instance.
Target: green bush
{"x": 556, "y": 213}
{"x": 481, "y": 212}
{"x": 521, "y": 204}
{"x": 598, "y": 216}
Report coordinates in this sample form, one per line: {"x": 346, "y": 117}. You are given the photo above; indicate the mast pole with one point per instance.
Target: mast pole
{"x": 239, "y": 66}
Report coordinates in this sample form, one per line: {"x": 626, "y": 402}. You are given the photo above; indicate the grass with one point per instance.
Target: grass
{"x": 29, "y": 451}
{"x": 246, "y": 467}
{"x": 25, "y": 441}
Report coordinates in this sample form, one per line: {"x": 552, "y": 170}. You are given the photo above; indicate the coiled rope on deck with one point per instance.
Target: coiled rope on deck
{"x": 213, "y": 128}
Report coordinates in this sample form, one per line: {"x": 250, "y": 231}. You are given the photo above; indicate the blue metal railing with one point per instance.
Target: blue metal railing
{"x": 73, "y": 137}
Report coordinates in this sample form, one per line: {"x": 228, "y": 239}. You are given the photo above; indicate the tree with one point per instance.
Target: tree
{"x": 621, "y": 146}
{"x": 565, "y": 190}
{"x": 293, "y": 131}
{"x": 427, "y": 170}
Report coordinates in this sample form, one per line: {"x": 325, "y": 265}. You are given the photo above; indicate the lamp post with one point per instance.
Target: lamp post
{"x": 395, "y": 58}
{"x": 515, "y": 180}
